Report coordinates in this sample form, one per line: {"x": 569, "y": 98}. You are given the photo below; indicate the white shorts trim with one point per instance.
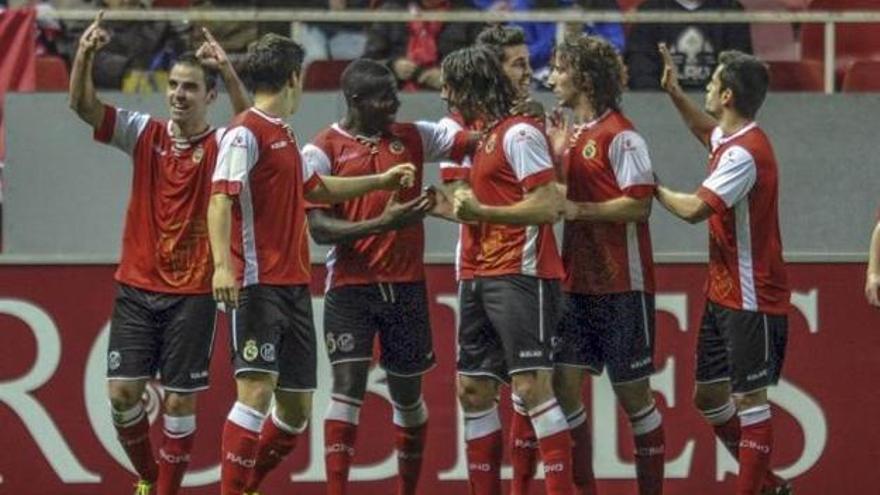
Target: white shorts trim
{"x": 485, "y": 374}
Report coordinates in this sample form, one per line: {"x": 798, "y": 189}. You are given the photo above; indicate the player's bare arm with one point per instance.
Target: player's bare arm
{"x": 338, "y": 189}
{"x": 225, "y": 286}
{"x": 83, "y": 98}
{"x": 872, "y": 280}
{"x": 699, "y": 122}
{"x": 326, "y": 228}
{"x": 622, "y": 209}
{"x": 686, "y": 206}
{"x": 541, "y": 205}
{"x": 212, "y": 54}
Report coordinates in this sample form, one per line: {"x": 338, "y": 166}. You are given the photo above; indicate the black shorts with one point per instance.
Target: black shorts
{"x": 272, "y": 331}
{"x": 508, "y": 324}
{"x": 397, "y": 312}
{"x": 746, "y": 348}
{"x": 157, "y": 332}
{"x": 613, "y": 331}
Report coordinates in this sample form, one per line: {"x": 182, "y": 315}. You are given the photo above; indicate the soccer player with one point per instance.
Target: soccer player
{"x": 375, "y": 269}
{"x": 744, "y": 330}
{"x": 608, "y": 321}
{"x": 163, "y": 316}
{"x": 872, "y": 278}
{"x": 257, "y": 229}
{"x": 509, "y": 322}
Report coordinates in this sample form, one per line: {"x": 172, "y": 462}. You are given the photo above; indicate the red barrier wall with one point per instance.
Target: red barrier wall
{"x": 56, "y": 436}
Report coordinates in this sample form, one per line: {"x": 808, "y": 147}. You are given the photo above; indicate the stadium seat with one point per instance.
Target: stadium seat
{"x": 853, "y": 41}
{"x": 52, "y": 74}
{"x": 862, "y": 76}
{"x": 805, "y": 75}
{"x": 323, "y": 75}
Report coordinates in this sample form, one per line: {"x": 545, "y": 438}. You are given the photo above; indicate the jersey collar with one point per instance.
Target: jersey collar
{"x": 747, "y": 128}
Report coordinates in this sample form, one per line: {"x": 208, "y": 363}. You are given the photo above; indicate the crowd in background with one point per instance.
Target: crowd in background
{"x": 412, "y": 50}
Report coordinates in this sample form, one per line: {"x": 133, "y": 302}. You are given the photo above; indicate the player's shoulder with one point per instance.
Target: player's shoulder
{"x": 327, "y": 137}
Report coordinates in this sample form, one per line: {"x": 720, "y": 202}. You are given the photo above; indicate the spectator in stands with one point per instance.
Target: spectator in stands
{"x": 134, "y": 46}
{"x": 610, "y": 31}
{"x": 235, "y": 37}
{"x": 336, "y": 41}
{"x": 694, "y": 47}
{"x": 541, "y": 36}
{"x": 413, "y": 51}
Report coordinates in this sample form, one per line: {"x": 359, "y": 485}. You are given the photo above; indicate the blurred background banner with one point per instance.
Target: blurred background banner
{"x": 57, "y": 436}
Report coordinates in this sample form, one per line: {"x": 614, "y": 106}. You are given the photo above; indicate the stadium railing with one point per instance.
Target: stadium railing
{"x": 296, "y": 17}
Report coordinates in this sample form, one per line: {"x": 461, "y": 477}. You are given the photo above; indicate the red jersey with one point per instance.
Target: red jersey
{"x": 746, "y": 270}
{"x": 607, "y": 160}
{"x": 260, "y": 165}
{"x": 468, "y": 247}
{"x": 511, "y": 161}
{"x": 396, "y": 255}
{"x": 165, "y": 242}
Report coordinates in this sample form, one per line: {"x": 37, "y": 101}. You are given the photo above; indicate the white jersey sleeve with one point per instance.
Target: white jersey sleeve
{"x": 630, "y": 160}
{"x": 315, "y": 162}
{"x": 127, "y": 128}
{"x": 525, "y": 148}
{"x": 239, "y": 152}
{"x": 454, "y": 128}
{"x": 734, "y": 176}
{"x": 437, "y": 139}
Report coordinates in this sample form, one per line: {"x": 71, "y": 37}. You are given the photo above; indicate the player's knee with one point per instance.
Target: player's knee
{"x": 124, "y": 395}
{"x": 634, "y": 397}
{"x": 180, "y": 404}
{"x": 750, "y": 400}
{"x": 533, "y": 387}
{"x": 255, "y": 391}
{"x": 707, "y": 398}
{"x": 349, "y": 381}
{"x": 475, "y": 395}
{"x": 567, "y": 393}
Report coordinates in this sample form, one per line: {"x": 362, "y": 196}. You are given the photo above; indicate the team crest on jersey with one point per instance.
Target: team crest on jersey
{"x": 589, "y": 151}
{"x": 114, "y": 360}
{"x": 250, "y": 351}
{"x": 396, "y": 147}
{"x": 198, "y": 154}
{"x": 490, "y": 144}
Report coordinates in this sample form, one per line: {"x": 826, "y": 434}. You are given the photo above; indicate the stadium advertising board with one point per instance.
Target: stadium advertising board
{"x": 57, "y": 436}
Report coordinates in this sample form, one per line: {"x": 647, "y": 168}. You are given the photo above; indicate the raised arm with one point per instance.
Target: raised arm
{"x": 83, "y": 98}
{"x": 872, "y": 280}
{"x": 699, "y": 122}
{"x": 329, "y": 229}
{"x": 211, "y": 53}
{"x": 338, "y": 189}
{"x": 541, "y": 205}
{"x": 686, "y": 206}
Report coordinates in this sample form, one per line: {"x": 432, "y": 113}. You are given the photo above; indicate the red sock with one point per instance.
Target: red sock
{"x": 339, "y": 439}
{"x": 340, "y": 433}
{"x": 484, "y": 451}
{"x": 277, "y": 440}
{"x": 241, "y": 434}
{"x": 410, "y": 443}
{"x": 647, "y": 427}
{"x": 755, "y": 448}
{"x": 581, "y": 453}
{"x": 411, "y": 425}
{"x": 133, "y": 431}
{"x": 523, "y": 448}
{"x": 554, "y": 442}
{"x": 174, "y": 454}
{"x": 725, "y": 422}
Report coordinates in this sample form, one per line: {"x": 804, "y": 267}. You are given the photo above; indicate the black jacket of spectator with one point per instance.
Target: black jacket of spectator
{"x": 134, "y": 45}
{"x": 694, "y": 47}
